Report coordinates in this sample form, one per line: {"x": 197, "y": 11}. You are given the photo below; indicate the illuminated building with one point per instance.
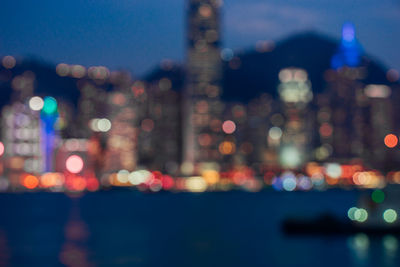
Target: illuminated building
{"x": 67, "y": 160}
{"x": 380, "y": 122}
{"x": 121, "y": 146}
{"x": 343, "y": 131}
{"x": 22, "y": 141}
{"x": 159, "y": 126}
{"x": 92, "y": 104}
{"x": 252, "y": 131}
{"x": 202, "y": 106}
{"x": 295, "y": 94}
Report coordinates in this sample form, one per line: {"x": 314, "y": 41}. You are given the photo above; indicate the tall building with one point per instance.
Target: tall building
{"x": 380, "y": 124}
{"x": 121, "y": 144}
{"x": 22, "y": 140}
{"x": 159, "y": 127}
{"x": 347, "y": 118}
{"x": 295, "y": 93}
{"x": 202, "y": 106}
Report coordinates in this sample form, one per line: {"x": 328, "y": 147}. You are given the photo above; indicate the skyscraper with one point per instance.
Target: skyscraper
{"x": 295, "y": 93}
{"x": 202, "y": 104}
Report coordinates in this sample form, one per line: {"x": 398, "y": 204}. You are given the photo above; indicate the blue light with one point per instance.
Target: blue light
{"x": 348, "y": 33}
{"x": 349, "y": 52}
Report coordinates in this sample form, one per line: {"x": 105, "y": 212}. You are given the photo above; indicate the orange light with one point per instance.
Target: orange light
{"x": 227, "y": 148}
{"x": 74, "y": 164}
{"x": 391, "y": 140}
{"x": 30, "y": 182}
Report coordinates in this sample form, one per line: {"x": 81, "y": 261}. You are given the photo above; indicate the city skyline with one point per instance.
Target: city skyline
{"x": 235, "y": 150}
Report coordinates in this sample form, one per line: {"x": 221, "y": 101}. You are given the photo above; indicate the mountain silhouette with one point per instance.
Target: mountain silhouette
{"x": 246, "y": 76}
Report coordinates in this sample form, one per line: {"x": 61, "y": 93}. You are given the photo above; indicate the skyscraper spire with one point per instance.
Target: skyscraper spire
{"x": 202, "y": 104}
{"x": 349, "y": 52}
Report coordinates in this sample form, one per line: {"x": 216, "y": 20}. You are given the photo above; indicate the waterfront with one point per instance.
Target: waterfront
{"x": 130, "y": 228}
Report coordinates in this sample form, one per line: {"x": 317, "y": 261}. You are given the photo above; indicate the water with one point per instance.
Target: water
{"x": 128, "y": 228}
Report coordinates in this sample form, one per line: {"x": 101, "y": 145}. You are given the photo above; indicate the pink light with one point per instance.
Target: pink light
{"x": 228, "y": 126}
{"x": 1, "y": 149}
{"x": 74, "y": 164}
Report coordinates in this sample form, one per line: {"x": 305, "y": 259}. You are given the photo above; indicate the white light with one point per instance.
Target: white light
{"x": 93, "y": 124}
{"x": 36, "y": 103}
{"x": 123, "y": 176}
{"x": 289, "y": 183}
{"x": 275, "y": 133}
{"x": 74, "y": 164}
{"x": 104, "y": 125}
{"x": 377, "y": 91}
{"x": 290, "y": 157}
{"x": 333, "y": 170}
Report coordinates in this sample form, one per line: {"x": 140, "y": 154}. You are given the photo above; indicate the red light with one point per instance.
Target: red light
{"x": 92, "y": 184}
{"x": 30, "y": 182}
{"x": 75, "y": 183}
{"x": 74, "y": 164}
{"x": 167, "y": 182}
{"x": 325, "y": 130}
{"x": 391, "y": 140}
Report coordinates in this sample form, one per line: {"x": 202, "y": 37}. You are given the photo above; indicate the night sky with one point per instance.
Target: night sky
{"x": 137, "y": 34}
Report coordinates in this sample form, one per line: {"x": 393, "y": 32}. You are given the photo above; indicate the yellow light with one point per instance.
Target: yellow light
{"x": 195, "y": 184}
{"x": 211, "y": 176}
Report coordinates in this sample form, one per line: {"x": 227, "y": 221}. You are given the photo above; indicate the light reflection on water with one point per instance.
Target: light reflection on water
{"x": 221, "y": 229}
{"x": 74, "y": 250}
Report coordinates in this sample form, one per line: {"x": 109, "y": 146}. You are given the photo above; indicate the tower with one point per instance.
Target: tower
{"x": 202, "y": 106}
{"x": 295, "y": 93}
{"x": 347, "y": 112}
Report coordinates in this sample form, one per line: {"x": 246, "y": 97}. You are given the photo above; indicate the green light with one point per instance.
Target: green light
{"x": 378, "y": 196}
{"x": 390, "y": 215}
{"x": 50, "y": 105}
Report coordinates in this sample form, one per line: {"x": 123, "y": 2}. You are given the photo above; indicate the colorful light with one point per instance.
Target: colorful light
{"x": 92, "y": 184}
{"x": 196, "y": 184}
{"x": 390, "y": 215}
{"x": 361, "y": 215}
{"x": 391, "y": 140}
{"x": 30, "y": 182}
{"x": 378, "y": 196}
{"x": 74, "y": 164}
{"x": 228, "y": 127}
{"x": 49, "y": 105}
{"x": 36, "y": 103}
{"x": 275, "y": 133}
{"x": 351, "y": 213}
{"x": 333, "y": 170}
{"x": 1, "y": 149}
{"x": 290, "y": 157}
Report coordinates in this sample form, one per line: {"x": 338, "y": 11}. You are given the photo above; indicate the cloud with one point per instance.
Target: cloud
{"x": 258, "y": 18}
